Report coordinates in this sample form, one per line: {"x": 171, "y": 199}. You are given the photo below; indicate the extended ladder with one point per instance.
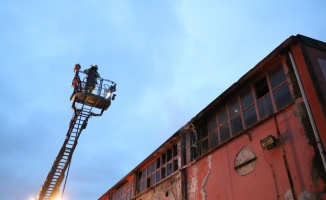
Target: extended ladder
{"x": 83, "y": 103}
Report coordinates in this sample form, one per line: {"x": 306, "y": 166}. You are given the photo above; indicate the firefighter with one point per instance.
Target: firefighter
{"x": 92, "y": 76}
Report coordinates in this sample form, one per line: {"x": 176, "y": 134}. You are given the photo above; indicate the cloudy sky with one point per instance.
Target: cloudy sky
{"x": 169, "y": 59}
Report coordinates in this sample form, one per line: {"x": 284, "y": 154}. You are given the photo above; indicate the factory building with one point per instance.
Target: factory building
{"x": 262, "y": 138}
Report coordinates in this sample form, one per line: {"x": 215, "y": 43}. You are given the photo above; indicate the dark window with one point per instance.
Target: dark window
{"x": 277, "y": 77}
{"x": 234, "y": 107}
{"x": 203, "y": 131}
{"x": 211, "y": 125}
{"x": 158, "y": 163}
{"x": 222, "y": 116}
{"x": 265, "y": 106}
{"x": 175, "y": 165}
{"x": 247, "y": 99}
{"x": 236, "y": 125}
{"x": 213, "y": 139}
{"x": 249, "y": 116}
{"x": 204, "y": 146}
{"x": 175, "y": 150}
{"x": 169, "y": 155}
{"x": 261, "y": 88}
{"x": 224, "y": 133}
{"x": 148, "y": 183}
{"x": 163, "y": 158}
{"x": 282, "y": 96}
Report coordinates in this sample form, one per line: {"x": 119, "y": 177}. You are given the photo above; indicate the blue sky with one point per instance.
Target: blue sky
{"x": 169, "y": 59}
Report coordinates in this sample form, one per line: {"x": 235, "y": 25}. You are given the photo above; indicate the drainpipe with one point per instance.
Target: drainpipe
{"x": 311, "y": 118}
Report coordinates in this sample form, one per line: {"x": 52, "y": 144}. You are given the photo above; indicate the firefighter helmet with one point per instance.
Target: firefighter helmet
{"x": 94, "y": 66}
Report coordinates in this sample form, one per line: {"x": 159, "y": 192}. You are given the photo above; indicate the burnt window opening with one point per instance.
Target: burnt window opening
{"x": 169, "y": 155}
{"x": 148, "y": 185}
{"x": 264, "y": 101}
{"x": 175, "y": 165}
{"x": 175, "y": 150}
{"x": 261, "y": 88}
{"x": 158, "y": 163}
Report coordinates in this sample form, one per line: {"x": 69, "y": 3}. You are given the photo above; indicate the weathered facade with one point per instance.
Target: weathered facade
{"x": 263, "y": 138}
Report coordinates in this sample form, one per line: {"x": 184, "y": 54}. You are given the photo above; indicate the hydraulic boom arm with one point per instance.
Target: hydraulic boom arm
{"x": 84, "y": 100}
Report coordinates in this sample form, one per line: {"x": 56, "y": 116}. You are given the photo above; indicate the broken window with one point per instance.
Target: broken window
{"x": 261, "y": 88}
{"x": 264, "y": 101}
{"x": 281, "y": 91}
{"x": 124, "y": 191}
{"x": 162, "y": 167}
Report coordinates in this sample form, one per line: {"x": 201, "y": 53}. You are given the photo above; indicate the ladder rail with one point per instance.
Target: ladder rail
{"x": 56, "y": 175}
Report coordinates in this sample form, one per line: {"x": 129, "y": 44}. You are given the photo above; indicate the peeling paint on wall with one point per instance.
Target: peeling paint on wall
{"x": 193, "y": 185}
{"x": 288, "y": 195}
{"x": 205, "y": 181}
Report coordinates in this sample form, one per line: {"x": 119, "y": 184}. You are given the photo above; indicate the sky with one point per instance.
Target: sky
{"x": 169, "y": 58}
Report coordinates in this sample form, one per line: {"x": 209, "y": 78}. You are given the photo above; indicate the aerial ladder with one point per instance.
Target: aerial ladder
{"x": 91, "y": 92}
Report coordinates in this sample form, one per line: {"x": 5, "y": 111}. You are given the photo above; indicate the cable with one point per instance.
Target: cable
{"x": 64, "y": 185}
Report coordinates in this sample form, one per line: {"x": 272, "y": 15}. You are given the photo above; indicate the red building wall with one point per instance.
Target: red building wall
{"x": 215, "y": 177}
